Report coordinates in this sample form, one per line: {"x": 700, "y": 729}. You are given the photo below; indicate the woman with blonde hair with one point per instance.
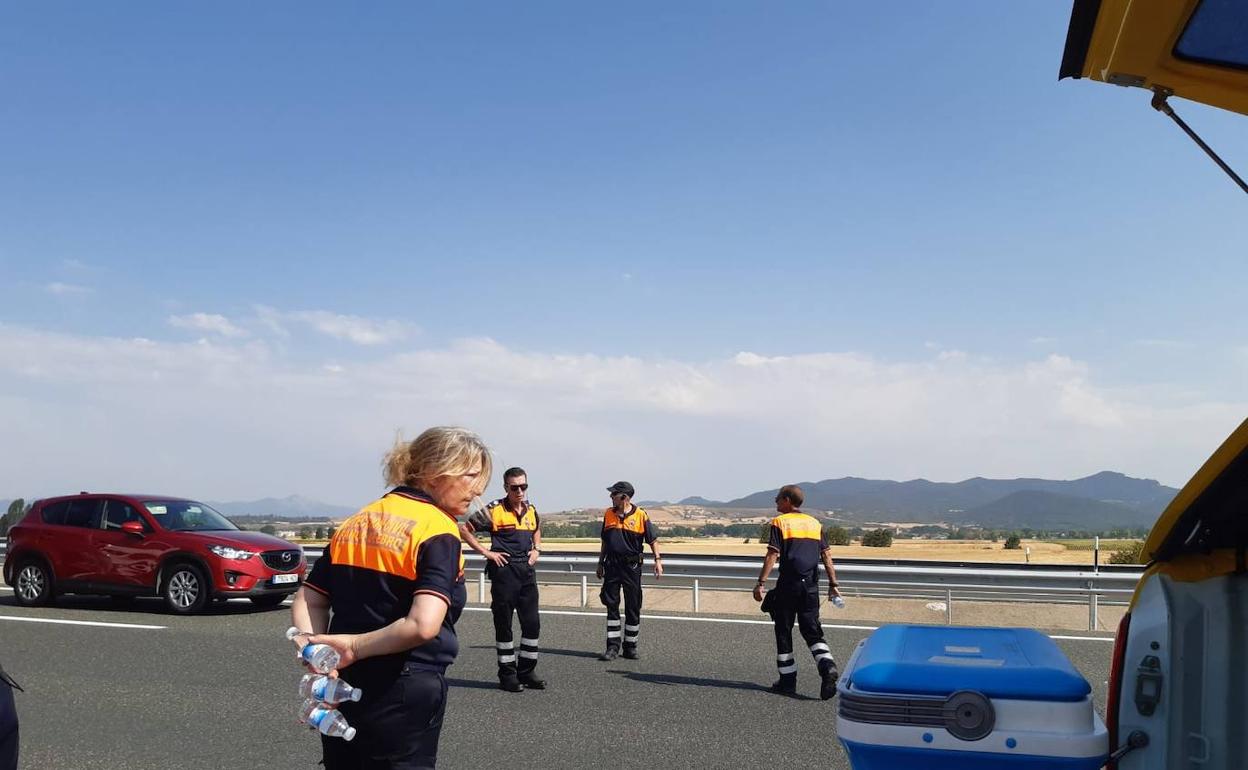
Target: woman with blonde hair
{"x": 393, "y": 577}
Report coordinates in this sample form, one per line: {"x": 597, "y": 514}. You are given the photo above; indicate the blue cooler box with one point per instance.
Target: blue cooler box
{"x": 945, "y": 698}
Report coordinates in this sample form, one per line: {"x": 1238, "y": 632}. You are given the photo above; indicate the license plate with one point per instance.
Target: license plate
{"x": 291, "y": 578}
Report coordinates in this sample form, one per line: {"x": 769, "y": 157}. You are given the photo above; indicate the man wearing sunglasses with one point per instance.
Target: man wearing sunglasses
{"x": 625, "y": 528}
{"x": 515, "y": 544}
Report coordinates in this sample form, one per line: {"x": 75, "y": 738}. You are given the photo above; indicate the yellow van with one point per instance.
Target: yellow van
{"x": 1191, "y": 49}
{"x": 1178, "y": 690}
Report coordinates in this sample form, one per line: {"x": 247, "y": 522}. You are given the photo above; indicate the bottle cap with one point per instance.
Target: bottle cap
{"x": 348, "y": 734}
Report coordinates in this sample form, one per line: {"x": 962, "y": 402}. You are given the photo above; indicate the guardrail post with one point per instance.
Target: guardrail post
{"x": 949, "y": 606}
{"x": 481, "y": 587}
{"x": 584, "y": 590}
{"x": 697, "y": 603}
{"x": 1092, "y": 607}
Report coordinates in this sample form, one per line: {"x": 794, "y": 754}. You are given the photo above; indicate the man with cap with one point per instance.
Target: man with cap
{"x": 515, "y": 544}
{"x": 625, "y": 530}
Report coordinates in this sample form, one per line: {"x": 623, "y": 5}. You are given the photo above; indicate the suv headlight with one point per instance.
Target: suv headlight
{"x": 226, "y": 552}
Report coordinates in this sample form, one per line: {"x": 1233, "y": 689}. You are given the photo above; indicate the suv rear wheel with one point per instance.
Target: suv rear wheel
{"x": 186, "y": 590}
{"x": 33, "y": 585}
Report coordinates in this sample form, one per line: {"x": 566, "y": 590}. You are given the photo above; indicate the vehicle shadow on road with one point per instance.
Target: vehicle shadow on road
{"x": 694, "y": 681}
{"x": 143, "y": 606}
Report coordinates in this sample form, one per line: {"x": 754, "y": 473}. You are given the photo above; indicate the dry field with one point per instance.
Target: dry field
{"x": 930, "y": 550}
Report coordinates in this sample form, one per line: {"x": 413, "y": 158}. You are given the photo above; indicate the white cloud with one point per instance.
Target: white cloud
{"x": 236, "y": 418}
{"x": 356, "y": 329}
{"x": 67, "y": 289}
{"x": 207, "y": 322}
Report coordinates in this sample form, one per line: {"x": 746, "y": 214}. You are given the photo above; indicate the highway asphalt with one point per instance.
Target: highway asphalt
{"x": 144, "y": 689}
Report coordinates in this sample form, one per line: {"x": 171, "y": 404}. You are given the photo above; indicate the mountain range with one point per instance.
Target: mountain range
{"x": 1103, "y": 500}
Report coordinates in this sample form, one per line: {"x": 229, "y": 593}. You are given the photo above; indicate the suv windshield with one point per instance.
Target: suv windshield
{"x": 186, "y": 516}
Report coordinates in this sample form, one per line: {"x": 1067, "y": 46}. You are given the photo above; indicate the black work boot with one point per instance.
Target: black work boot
{"x": 531, "y": 682}
{"x": 630, "y": 652}
{"x": 510, "y": 684}
{"x": 611, "y": 654}
{"x": 785, "y": 685}
{"x": 827, "y": 688}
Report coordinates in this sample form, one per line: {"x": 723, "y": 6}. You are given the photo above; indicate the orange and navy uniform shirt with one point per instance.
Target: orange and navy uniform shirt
{"x": 799, "y": 539}
{"x": 385, "y": 555}
{"x": 509, "y": 533}
{"x": 625, "y": 535}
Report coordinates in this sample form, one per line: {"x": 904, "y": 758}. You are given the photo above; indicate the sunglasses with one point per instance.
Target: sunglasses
{"x": 517, "y": 487}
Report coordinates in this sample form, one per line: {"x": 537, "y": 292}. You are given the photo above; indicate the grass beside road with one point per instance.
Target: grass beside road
{"x": 1086, "y": 545}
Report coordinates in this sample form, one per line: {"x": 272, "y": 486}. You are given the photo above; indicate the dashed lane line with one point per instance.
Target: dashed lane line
{"x": 102, "y": 624}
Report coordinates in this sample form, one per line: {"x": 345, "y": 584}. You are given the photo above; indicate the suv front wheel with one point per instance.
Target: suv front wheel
{"x": 33, "y": 585}
{"x": 186, "y": 589}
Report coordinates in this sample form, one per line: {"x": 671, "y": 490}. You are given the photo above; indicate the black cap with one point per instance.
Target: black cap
{"x": 621, "y": 486}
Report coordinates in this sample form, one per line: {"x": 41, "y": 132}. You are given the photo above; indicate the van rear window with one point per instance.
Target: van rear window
{"x": 1217, "y": 33}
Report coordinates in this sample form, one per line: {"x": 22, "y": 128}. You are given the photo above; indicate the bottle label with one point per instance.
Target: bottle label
{"x": 317, "y": 715}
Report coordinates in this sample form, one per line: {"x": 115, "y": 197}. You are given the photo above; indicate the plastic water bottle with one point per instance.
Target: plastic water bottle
{"x": 838, "y": 602}
{"x": 325, "y": 720}
{"x": 321, "y": 657}
{"x": 321, "y": 688}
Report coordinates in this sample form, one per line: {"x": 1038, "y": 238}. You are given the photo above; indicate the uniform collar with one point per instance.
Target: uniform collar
{"x": 412, "y": 493}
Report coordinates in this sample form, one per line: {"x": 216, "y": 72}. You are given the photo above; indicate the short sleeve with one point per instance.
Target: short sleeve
{"x": 437, "y": 566}
{"x": 649, "y": 533}
{"x": 825, "y": 538}
{"x": 774, "y": 538}
{"x": 318, "y": 576}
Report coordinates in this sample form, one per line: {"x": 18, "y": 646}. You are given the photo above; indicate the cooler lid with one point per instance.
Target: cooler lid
{"x": 1015, "y": 663}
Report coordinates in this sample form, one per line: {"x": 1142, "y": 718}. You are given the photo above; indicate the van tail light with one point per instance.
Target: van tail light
{"x": 1114, "y": 698}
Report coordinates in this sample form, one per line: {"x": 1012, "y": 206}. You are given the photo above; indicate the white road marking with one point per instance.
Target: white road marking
{"x": 82, "y": 623}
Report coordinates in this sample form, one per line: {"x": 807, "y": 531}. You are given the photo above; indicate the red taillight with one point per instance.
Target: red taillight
{"x": 1114, "y": 697}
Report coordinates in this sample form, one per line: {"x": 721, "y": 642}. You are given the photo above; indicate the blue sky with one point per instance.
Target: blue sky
{"x": 712, "y": 247}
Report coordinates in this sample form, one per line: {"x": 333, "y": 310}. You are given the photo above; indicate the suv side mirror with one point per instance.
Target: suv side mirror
{"x": 132, "y": 528}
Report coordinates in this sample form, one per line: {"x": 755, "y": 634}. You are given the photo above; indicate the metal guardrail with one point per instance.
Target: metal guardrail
{"x": 945, "y": 582}
{"x": 934, "y": 581}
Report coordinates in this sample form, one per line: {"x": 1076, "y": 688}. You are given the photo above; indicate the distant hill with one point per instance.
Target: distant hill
{"x": 1045, "y": 510}
{"x": 292, "y": 507}
{"x": 1104, "y": 499}
{"x": 701, "y": 501}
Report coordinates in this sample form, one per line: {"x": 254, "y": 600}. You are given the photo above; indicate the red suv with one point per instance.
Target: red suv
{"x": 140, "y": 545}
